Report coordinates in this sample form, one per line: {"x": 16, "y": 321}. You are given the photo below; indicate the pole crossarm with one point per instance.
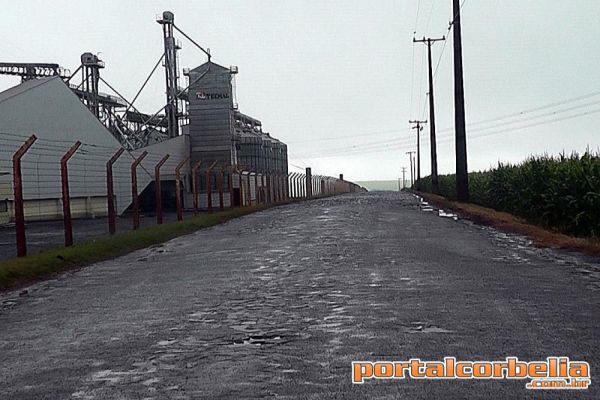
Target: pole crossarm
{"x": 418, "y": 126}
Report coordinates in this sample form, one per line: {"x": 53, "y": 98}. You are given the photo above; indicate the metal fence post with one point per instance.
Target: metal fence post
{"x": 230, "y": 186}
{"x": 241, "y": 181}
{"x": 178, "y": 202}
{"x": 209, "y": 186}
{"x": 298, "y": 182}
{"x": 291, "y": 193}
{"x": 275, "y": 187}
{"x": 280, "y": 186}
{"x": 18, "y": 196}
{"x": 66, "y": 200}
{"x": 309, "y": 188}
{"x": 256, "y": 192}
{"x": 195, "y": 169}
{"x": 282, "y": 178}
{"x": 110, "y": 192}
{"x": 304, "y": 186}
{"x": 259, "y": 194}
{"x": 134, "y": 191}
{"x": 158, "y": 189}
{"x": 268, "y": 179}
{"x": 220, "y": 183}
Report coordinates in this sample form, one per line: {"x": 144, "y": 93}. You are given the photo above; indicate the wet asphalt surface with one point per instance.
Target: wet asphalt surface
{"x": 279, "y": 303}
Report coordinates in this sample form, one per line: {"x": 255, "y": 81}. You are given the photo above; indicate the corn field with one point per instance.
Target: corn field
{"x": 560, "y": 193}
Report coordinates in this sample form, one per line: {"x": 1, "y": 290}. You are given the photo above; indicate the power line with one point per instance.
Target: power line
{"x": 473, "y": 126}
{"x": 430, "y": 14}
{"x": 346, "y": 136}
{"x": 396, "y": 146}
{"x": 535, "y": 109}
{"x": 444, "y": 46}
{"x": 412, "y": 76}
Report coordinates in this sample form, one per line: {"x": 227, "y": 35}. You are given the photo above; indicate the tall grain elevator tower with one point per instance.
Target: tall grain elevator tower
{"x": 211, "y": 111}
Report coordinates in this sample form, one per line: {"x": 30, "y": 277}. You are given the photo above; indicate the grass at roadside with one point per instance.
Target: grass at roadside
{"x": 19, "y": 271}
{"x": 507, "y": 222}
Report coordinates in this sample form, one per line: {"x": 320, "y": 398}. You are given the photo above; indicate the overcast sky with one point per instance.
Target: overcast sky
{"x": 333, "y": 77}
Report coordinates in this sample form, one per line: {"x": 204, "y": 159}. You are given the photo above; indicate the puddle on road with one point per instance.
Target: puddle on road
{"x": 420, "y": 327}
{"x": 167, "y": 342}
{"x": 424, "y": 206}
{"x": 444, "y": 214}
{"x": 259, "y": 340}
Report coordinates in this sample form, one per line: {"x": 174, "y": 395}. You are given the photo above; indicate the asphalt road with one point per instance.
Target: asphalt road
{"x": 279, "y": 303}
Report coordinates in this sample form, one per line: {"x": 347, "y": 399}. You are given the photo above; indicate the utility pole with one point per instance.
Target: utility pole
{"x": 434, "y": 173}
{"x": 462, "y": 177}
{"x": 403, "y": 177}
{"x": 414, "y": 162}
{"x": 412, "y": 171}
{"x": 419, "y": 128}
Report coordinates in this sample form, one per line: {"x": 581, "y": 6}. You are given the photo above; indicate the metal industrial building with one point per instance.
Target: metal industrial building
{"x": 200, "y": 128}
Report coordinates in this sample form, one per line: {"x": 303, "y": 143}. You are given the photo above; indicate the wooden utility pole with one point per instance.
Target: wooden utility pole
{"x": 412, "y": 170}
{"x": 462, "y": 177}
{"x": 419, "y": 128}
{"x": 434, "y": 173}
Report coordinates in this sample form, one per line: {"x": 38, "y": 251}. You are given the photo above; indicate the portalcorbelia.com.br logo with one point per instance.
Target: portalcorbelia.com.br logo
{"x": 551, "y": 373}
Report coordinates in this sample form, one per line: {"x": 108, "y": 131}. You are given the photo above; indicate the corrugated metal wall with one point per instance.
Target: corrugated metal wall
{"x": 210, "y": 114}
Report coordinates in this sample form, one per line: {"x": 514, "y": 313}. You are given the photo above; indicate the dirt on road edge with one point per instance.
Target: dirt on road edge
{"x": 509, "y": 223}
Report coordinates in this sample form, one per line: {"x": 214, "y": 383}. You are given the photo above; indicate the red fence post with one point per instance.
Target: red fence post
{"x": 309, "y": 183}
{"x": 209, "y": 186}
{"x": 268, "y": 179}
{"x": 275, "y": 187}
{"x": 134, "y": 191}
{"x": 178, "y": 188}
{"x": 110, "y": 192}
{"x": 284, "y": 180}
{"x": 297, "y": 185}
{"x": 230, "y": 186}
{"x": 195, "y": 169}
{"x": 257, "y": 179}
{"x": 280, "y": 180}
{"x": 249, "y": 194}
{"x": 18, "y": 196}
{"x": 280, "y": 186}
{"x": 220, "y": 182}
{"x": 304, "y": 186}
{"x": 241, "y": 183}
{"x": 158, "y": 189}
{"x": 66, "y": 200}
{"x": 292, "y": 192}
{"x": 256, "y": 192}
{"x": 250, "y": 187}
